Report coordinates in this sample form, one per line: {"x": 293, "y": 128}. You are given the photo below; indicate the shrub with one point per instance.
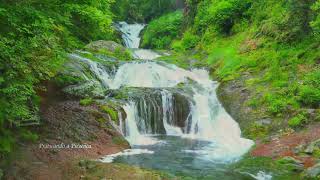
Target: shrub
{"x": 286, "y": 21}
{"x": 309, "y": 92}
{"x": 161, "y": 32}
{"x": 222, "y": 15}
{"x": 315, "y": 24}
{"x": 189, "y": 40}
{"x": 297, "y": 121}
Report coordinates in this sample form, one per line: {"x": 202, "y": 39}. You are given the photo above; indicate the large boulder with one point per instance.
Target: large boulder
{"x": 91, "y": 89}
{"x": 312, "y": 172}
{"x": 104, "y": 45}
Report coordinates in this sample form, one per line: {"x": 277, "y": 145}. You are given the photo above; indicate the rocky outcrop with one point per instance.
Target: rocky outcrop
{"x": 68, "y": 132}
{"x": 104, "y": 45}
{"x": 312, "y": 172}
{"x": 234, "y": 96}
{"x": 150, "y": 107}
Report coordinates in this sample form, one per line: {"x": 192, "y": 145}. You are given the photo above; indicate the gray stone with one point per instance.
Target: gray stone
{"x": 312, "y": 146}
{"x": 312, "y": 172}
{"x": 266, "y": 121}
{"x": 299, "y": 149}
{"x": 89, "y": 89}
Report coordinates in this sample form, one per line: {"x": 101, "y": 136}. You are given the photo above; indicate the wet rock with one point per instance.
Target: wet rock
{"x": 312, "y": 172}
{"x": 312, "y": 147}
{"x": 299, "y": 149}
{"x": 266, "y": 121}
{"x": 104, "y": 45}
{"x": 91, "y": 89}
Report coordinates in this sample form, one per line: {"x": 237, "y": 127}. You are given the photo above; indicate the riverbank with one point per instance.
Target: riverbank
{"x": 274, "y": 140}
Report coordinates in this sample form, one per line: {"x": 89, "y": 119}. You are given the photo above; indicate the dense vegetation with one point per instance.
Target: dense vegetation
{"x": 143, "y": 10}
{"x": 275, "y": 43}
{"x": 34, "y": 39}
{"x": 161, "y": 38}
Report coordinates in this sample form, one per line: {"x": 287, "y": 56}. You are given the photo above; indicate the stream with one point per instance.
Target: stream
{"x": 174, "y": 120}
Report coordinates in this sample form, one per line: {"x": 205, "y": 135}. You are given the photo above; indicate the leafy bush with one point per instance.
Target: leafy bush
{"x": 160, "y": 32}
{"x": 222, "y": 15}
{"x": 142, "y": 10}
{"x": 309, "y": 92}
{"x": 286, "y": 21}
{"x": 315, "y": 24}
{"x": 297, "y": 121}
{"x": 34, "y": 39}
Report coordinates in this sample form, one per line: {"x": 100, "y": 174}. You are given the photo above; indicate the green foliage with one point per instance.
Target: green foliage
{"x": 189, "y": 41}
{"x": 309, "y": 92}
{"x": 34, "y": 39}
{"x": 119, "y": 54}
{"x": 315, "y": 24}
{"x": 142, "y": 10}
{"x": 160, "y": 32}
{"x": 297, "y": 121}
{"x": 86, "y": 102}
{"x": 285, "y": 21}
{"x": 63, "y": 80}
{"x": 220, "y": 14}
{"x": 111, "y": 112}
{"x": 256, "y": 131}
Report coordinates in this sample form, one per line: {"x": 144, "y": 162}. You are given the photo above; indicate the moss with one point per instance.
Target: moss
{"x": 86, "y": 102}
{"x": 111, "y": 112}
{"x": 255, "y": 164}
{"x": 119, "y": 53}
{"x": 102, "y": 121}
{"x": 255, "y": 131}
{"x": 119, "y": 140}
{"x": 63, "y": 80}
{"x": 97, "y": 170}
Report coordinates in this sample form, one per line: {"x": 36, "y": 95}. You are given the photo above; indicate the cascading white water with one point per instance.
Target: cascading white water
{"x": 168, "y": 114}
{"x": 131, "y": 34}
{"x": 207, "y": 119}
{"x": 131, "y": 38}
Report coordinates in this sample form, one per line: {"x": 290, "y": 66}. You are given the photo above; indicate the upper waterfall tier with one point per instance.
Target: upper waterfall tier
{"x": 130, "y": 33}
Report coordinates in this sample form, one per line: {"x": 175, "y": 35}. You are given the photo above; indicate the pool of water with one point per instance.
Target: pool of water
{"x": 183, "y": 157}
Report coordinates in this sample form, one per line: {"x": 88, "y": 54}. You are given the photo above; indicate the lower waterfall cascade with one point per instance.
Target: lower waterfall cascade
{"x": 174, "y": 120}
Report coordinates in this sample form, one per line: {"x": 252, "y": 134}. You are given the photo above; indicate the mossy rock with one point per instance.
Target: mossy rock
{"x": 256, "y": 164}
{"x": 86, "y": 102}
{"x": 119, "y": 140}
{"x": 91, "y": 89}
{"x": 88, "y": 169}
{"x": 112, "y": 112}
{"x": 104, "y": 45}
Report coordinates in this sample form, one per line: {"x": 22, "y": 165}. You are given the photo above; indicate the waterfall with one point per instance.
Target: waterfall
{"x": 130, "y": 33}
{"x": 166, "y": 109}
{"x": 131, "y": 38}
{"x": 168, "y": 114}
